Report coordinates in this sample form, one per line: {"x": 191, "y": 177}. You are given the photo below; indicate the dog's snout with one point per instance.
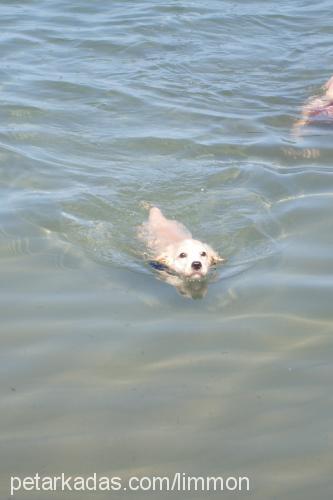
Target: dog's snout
{"x": 196, "y": 264}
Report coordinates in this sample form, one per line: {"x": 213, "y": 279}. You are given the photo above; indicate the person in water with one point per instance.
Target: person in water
{"x": 318, "y": 110}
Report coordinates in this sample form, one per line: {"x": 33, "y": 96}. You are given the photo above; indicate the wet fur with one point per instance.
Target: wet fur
{"x": 171, "y": 244}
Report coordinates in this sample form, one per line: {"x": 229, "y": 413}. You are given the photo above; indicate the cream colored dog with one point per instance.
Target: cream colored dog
{"x": 171, "y": 245}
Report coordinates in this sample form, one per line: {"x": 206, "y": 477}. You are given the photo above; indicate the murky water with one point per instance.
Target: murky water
{"x": 105, "y": 368}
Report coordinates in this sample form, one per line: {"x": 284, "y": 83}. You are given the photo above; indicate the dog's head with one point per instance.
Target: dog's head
{"x": 189, "y": 258}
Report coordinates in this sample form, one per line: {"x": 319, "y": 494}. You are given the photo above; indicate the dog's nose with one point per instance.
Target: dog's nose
{"x": 196, "y": 265}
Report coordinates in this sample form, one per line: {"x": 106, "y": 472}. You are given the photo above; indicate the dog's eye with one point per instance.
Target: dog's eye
{"x": 203, "y": 254}
{"x": 182, "y": 255}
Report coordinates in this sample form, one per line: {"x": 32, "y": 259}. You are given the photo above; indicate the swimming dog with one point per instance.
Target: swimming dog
{"x": 175, "y": 253}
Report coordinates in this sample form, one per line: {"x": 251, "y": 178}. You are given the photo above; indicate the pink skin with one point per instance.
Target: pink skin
{"x": 319, "y": 109}
{"x": 329, "y": 88}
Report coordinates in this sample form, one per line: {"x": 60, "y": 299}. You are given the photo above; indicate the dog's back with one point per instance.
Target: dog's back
{"x": 161, "y": 232}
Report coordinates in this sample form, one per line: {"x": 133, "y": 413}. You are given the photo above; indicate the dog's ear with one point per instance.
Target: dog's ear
{"x": 162, "y": 259}
{"x": 216, "y": 259}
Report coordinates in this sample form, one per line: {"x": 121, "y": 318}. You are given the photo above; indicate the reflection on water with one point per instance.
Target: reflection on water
{"x": 105, "y": 368}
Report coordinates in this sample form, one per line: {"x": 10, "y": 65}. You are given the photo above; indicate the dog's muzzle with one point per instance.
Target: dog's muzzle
{"x": 196, "y": 265}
